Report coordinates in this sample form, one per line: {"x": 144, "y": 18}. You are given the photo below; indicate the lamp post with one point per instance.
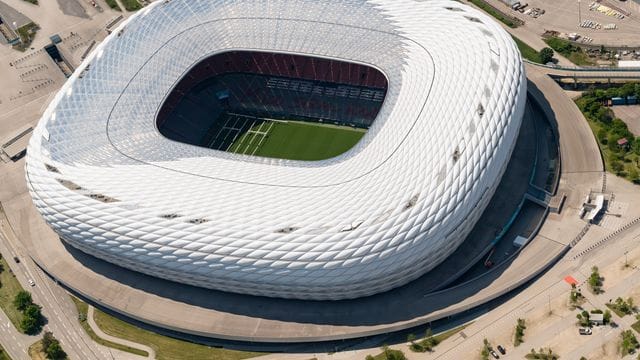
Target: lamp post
{"x": 626, "y": 263}
{"x": 579, "y": 14}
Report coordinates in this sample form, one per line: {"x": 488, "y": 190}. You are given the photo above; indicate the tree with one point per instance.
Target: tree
{"x": 629, "y": 342}
{"x": 606, "y": 317}
{"x": 32, "y": 319}
{"x": 55, "y": 352}
{"x": 22, "y": 300}
{"x": 546, "y": 55}
{"x": 390, "y": 354}
{"x": 47, "y": 339}
{"x": 603, "y": 115}
{"x": 484, "y": 354}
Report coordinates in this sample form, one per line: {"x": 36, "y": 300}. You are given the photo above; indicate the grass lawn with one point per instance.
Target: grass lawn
{"x": 393, "y": 354}
{"x": 527, "y": 51}
{"x": 3, "y": 354}
{"x": 166, "y": 347}
{"x": 615, "y": 309}
{"x": 574, "y": 53}
{"x": 131, "y": 5}
{"x": 113, "y": 4}
{"x": 10, "y": 287}
{"x": 82, "y": 311}
{"x": 36, "y": 352}
{"x": 510, "y": 21}
{"x": 297, "y": 140}
{"x": 447, "y": 334}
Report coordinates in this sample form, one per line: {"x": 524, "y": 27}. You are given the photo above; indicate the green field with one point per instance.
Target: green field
{"x": 3, "y": 354}
{"x": 297, "y": 140}
{"x": 166, "y": 348}
{"x": 10, "y": 287}
{"x": 83, "y": 308}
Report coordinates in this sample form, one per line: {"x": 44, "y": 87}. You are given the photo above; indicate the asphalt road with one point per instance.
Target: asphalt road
{"x": 57, "y": 307}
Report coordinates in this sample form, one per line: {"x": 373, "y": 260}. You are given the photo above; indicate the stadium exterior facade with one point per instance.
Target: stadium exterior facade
{"x": 374, "y": 218}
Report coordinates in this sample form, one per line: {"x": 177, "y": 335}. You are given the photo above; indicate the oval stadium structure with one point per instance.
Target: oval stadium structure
{"x": 121, "y": 168}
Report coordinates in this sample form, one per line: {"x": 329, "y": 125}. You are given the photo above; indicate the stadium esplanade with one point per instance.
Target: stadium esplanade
{"x": 384, "y": 212}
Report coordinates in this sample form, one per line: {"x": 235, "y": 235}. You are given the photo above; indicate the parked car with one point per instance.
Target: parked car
{"x": 32, "y": 283}
{"x": 494, "y": 354}
{"x": 585, "y": 331}
{"x": 502, "y": 350}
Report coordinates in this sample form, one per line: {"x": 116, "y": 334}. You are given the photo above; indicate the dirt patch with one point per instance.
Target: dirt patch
{"x": 568, "y": 340}
{"x": 608, "y": 351}
{"x": 539, "y": 320}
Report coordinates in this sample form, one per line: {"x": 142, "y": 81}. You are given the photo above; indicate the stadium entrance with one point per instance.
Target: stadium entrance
{"x": 273, "y": 105}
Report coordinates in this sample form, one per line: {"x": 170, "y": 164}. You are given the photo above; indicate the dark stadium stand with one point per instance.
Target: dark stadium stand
{"x": 206, "y": 103}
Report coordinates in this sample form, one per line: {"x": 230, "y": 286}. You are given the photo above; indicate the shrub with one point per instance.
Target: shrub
{"x": 22, "y": 300}
{"x": 519, "y": 336}
{"x": 546, "y": 55}
{"x": 629, "y": 343}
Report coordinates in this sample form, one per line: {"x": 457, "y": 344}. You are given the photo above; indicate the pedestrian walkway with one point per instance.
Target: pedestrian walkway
{"x": 105, "y": 336}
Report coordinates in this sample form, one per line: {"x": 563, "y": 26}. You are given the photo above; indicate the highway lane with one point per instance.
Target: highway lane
{"x": 14, "y": 343}
{"x": 57, "y": 307}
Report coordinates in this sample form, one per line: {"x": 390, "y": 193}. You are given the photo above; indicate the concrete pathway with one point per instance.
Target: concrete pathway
{"x": 105, "y": 336}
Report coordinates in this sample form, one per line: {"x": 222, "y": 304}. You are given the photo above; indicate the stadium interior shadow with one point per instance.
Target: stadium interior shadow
{"x": 404, "y": 303}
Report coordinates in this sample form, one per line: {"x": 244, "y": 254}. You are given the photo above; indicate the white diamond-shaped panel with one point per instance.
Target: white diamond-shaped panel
{"x": 374, "y": 218}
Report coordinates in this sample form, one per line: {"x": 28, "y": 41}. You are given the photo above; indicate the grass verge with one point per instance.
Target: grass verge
{"x": 83, "y": 309}
{"x": 131, "y": 5}
{"x": 616, "y": 310}
{"x": 298, "y": 140}
{"x": 27, "y": 33}
{"x": 447, "y": 334}
{"x": 10, "y": 287}
{"x": 3, "y": 354}
{"x": 113, "y": 4}
{"x": 636, "y": 326}
{"x": 527, "y": 51}
{"x": 388, "y": 354}
{"x": 508, "y": 20}
{"x": 166, "y": 348}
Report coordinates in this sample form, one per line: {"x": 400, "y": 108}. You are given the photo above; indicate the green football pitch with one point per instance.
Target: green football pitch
{"x": 296, "y": 140}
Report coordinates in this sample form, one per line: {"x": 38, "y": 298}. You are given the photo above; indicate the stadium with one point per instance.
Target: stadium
{"x": 317, "y": 150}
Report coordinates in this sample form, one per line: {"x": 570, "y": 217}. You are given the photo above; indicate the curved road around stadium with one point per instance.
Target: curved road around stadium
{"x": 581, "y": 169}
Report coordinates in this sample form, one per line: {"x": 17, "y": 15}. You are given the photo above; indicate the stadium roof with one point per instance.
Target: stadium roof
{"x": 383, "y": 213}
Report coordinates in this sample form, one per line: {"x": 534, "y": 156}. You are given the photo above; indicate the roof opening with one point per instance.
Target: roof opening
{"x": 273, "y": 105}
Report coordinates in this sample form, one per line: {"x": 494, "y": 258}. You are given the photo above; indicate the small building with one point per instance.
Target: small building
{"x": 629, "y": 63}
{"x": 520, "y": 241}
{"x": 596, "y": 319}
{"x": 623, "y": 143}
